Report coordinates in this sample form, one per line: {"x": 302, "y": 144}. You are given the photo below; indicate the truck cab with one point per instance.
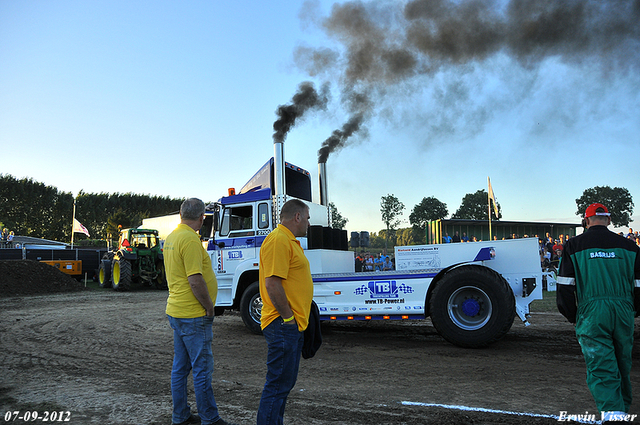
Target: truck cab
{"x": 245, "y": 220}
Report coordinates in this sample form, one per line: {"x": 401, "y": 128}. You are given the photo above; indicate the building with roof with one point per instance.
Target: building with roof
{"x": 499, "y": 228}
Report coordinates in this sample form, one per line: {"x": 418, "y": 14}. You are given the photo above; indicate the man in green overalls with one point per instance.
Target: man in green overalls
{"x": 598, "y": 285}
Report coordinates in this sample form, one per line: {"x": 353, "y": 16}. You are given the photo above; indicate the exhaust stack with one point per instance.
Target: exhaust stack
{"x": 278, "y": 167}
{"x": 322, "y": 180}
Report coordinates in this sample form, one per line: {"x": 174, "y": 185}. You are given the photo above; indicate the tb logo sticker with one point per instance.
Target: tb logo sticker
{"x": 383, "y": 289}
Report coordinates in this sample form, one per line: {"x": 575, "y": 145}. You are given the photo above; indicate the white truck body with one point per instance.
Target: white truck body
{"x": 404, "y": 291}
{"x": 471, "y": 291}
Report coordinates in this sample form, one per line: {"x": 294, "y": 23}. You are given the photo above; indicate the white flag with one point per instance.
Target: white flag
{"x": 492, "y": 198}
{"x": 79, "y": 228}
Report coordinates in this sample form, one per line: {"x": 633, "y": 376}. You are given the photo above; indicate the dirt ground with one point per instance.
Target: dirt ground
{"x": 105, "y": 357}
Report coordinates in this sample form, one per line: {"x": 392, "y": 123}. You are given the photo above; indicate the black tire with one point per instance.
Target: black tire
{"x": 472, "y": 306}
{"x": 160, "y": 282}
{"x": 121, "y": 274}
{"x": 104, "y": 274}
{"x": 251, "y": 307}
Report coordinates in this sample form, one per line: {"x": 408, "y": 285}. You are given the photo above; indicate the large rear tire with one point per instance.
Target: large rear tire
{"x": 251, "y": 308}
{"x": 472, "y": 306}
{"x": 121, "y": 274}
{"x": 104, "y": 273}
{"x": 104, "y": 276}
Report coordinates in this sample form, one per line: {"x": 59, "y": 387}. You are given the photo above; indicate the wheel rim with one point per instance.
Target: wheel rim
{"x": 255, "y": 308}
{"x": 469, "y": 308}
{"x": 101, "y": 276}
{"x": 116, "y": 273}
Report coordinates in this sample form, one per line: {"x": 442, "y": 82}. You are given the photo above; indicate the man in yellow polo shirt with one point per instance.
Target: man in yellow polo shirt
{"x": 192, "y": 296}
{"x": 286, "y": 289}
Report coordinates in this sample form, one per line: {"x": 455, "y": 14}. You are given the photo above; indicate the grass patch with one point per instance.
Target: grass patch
{"x": 91, "y": 284}
{"x": 546, "y": 304}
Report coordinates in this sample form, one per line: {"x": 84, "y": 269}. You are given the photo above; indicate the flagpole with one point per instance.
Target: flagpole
{"x": 73, "y": 220}
{"x": 489, "y": 206}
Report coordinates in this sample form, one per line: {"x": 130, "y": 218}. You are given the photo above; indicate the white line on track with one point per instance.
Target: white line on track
{"x": 482, "y": 409}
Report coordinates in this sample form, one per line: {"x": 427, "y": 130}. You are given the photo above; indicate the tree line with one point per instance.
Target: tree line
{"x": 31, "y": 208}
{"x": 474, "y": 206}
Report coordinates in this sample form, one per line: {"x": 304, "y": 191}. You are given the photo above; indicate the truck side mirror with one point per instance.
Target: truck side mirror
{"x": 216, "y": 220}
{"x": 206, "y": 229}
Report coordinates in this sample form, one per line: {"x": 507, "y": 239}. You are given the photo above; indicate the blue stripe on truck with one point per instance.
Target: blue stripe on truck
{"x": 340, "y": 277}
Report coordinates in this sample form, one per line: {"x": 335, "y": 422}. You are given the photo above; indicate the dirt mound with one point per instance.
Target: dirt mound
{"x": 27, "y": 277}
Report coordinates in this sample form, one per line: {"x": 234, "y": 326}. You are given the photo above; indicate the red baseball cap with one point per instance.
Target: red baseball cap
{"x": 593, "y": 210}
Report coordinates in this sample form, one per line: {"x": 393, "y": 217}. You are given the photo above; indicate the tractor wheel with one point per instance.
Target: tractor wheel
{"x": 251, "y": 308}
{"x": 104, "y": 274}
{"x": 160, "y": 281}
{"x": 121, "y": 274}
{"x": 472, "y": 306}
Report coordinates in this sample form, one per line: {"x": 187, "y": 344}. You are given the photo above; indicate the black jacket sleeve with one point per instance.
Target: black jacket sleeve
{"x": 566, "y": 294}
{"x": 566, "y": 301}
{"x": 313, "y": 333}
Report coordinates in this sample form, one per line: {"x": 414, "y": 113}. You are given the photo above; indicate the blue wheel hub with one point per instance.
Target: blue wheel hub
{"x": 470, "y": 307}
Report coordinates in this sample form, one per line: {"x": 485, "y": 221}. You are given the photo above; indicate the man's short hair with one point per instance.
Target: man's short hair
{"x": 191, "y": 209}
{"x": 291, "y": 208}
{"x": 599, "y": 218}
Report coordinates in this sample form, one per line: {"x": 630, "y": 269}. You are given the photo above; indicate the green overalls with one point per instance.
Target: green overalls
{"x": 596, "y": 292}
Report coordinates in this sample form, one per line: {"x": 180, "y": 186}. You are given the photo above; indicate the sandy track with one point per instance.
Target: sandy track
{"x": 105, "y": 357}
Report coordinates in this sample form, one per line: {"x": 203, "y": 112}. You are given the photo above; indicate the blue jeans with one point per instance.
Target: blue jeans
{"x": 283, "y": 360}
{"x": 192, "y": 351}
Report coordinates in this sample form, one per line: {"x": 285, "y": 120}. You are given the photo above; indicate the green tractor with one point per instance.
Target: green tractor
{"x": 138, "y": 259}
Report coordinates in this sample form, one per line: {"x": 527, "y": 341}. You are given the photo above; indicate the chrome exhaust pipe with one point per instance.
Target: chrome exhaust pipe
{"x": 322, "y": 180}
{"x": 278, "y": 168}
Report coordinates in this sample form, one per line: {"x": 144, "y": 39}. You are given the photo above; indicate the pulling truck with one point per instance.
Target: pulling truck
{"x": 471, "y": 291}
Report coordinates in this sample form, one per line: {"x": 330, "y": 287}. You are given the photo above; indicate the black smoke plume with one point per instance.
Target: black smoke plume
{"x": 386, "y": 42}
{"x": 339, "y": 137}
{"x": 359, "y": 106}
{"x": 306, "y": 98}
{"x": 391, "y": 47}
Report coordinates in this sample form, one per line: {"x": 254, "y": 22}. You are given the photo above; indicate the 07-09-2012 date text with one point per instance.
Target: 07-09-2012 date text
{"x": 33, "y": 416}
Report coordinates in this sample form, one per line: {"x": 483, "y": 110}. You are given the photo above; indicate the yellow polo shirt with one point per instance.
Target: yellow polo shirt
{"x": 185, "y": 256}
{"x": 281, "y": 255}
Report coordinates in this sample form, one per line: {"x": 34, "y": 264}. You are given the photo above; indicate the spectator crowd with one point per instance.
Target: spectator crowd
{"x": 366, "y": 262}
{"x": 6, "y": 239}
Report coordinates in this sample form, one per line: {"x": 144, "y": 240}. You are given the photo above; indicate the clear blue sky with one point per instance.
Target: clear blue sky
{"x": 178, "y": 99}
